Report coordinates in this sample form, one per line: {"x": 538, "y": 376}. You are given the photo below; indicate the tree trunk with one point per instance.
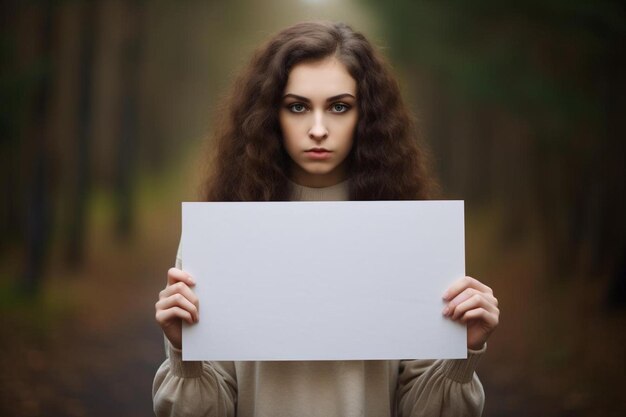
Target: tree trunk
{"x": 82, "y": 167}
{"x": 127, "y": 143}
{"x": 38, "y": 205}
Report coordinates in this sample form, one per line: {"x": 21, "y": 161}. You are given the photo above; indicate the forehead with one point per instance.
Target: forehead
{"x": 323, "y": 79}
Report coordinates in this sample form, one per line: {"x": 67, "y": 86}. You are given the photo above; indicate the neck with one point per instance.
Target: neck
{"x": 305, "y": 179}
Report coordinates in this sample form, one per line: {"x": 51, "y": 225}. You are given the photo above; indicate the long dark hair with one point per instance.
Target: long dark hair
{"x": 249, "y": 161}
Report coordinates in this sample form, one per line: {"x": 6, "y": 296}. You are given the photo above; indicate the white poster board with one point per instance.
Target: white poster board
{"x": 348, "y": 280}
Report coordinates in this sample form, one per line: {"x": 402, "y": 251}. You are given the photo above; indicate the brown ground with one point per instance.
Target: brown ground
{"x": 89, "y": 346}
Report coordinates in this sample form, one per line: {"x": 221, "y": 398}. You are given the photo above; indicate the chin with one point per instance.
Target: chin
{"x": 320, "y": 172}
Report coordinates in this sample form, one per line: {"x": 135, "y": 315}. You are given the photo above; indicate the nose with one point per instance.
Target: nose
{"x": 318, "y": 130}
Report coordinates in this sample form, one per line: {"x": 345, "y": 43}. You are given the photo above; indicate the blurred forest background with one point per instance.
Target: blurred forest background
{"x": 105, "y": 111}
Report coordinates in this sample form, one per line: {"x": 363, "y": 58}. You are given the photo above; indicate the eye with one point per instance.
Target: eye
{"x": 297, "y": 107}
{"x": 339, "y": 108}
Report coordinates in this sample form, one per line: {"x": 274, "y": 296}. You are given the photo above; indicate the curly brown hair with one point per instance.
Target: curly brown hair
{"x": 249, "y": 161}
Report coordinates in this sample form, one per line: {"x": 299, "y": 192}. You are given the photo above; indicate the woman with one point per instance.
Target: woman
{"x": 317, "y": 116}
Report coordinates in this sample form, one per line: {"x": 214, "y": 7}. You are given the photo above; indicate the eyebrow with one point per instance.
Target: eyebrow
{"x": 333, "y": 98}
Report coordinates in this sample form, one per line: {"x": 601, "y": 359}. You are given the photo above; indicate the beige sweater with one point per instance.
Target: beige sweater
{"x": 318, "y": 388}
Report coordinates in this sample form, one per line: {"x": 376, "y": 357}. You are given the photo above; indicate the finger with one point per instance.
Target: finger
{"x": 461, "y": 284}
{"x": 483, "y": 315}
{"x": 180, "y": 288}
{"x": 466, "y": 295}
{"x": 178, "y": 300}
{"x": 476, "y": 301}
{"x": 165, "y": 316}
{"x": 175, "y": 275}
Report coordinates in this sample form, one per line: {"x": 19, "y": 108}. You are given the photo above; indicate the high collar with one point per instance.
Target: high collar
{"x": 337, "y": 192}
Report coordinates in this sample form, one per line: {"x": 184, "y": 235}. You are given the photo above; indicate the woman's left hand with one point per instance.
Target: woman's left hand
{"x": 472, "y": 302}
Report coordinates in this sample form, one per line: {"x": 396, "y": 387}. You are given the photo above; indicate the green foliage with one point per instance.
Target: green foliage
{"x": 539, "y": 59}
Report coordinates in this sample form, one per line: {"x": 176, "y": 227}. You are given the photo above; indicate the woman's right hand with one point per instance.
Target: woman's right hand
{"x": 177, "y": 302}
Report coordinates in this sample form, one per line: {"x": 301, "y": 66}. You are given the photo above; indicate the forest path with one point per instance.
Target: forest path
{"x": 89, "y": 345}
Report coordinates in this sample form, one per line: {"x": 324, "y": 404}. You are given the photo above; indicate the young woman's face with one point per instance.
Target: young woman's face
{"x": 318, "y": 116}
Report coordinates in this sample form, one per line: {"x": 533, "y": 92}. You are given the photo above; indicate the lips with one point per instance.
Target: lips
{"x": 318, "y": 153}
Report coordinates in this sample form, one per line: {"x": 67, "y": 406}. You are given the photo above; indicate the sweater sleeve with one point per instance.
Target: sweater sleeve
{"x": 440, "y": 388}
{"x": 193, "y": 388}
{"x": 189, "y": 388}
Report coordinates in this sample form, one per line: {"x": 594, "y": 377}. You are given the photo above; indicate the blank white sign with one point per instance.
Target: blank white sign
{"x": 348, "y": 280}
